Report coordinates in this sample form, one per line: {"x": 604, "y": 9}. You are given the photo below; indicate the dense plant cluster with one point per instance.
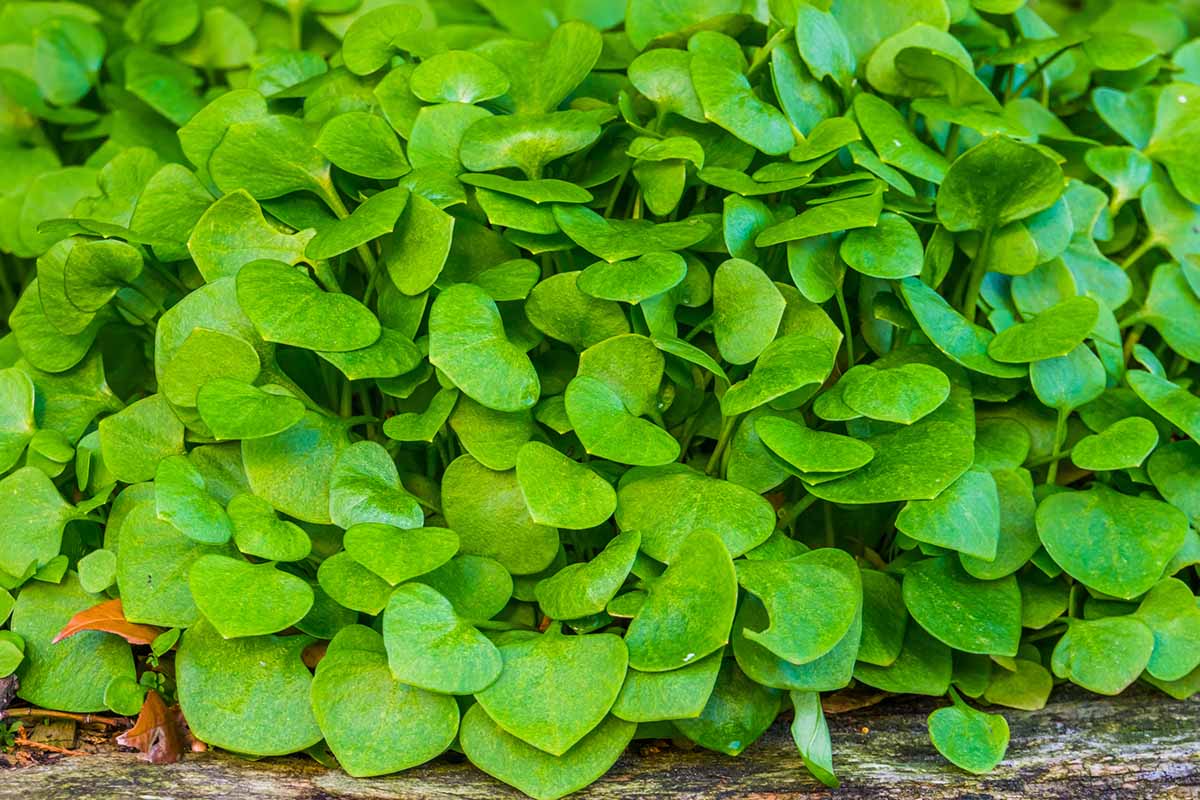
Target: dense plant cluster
{"x": 526, "y": 376}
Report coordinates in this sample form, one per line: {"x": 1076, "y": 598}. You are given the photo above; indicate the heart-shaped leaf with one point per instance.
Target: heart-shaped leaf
{"x": 487, "y": 510}
{"x": 536, "y": 772}
{"x": 968, "y": 614}
{"x": 555, "y": 689}
{"x": 266, "y": 708}
{"x": 633, "y": 281}
{"x": 362, "y": 144}
{"x": 1103, "y": 655}
{"x": 288, "y": 308}
{"x": 258, "y": 532}
{"x": 1122, "y": 445}
{"x": 823, "y": 579}
{"x": 677, "y": 694}
{"x": 243, "y": 599}
{"x": 901, "y": 394}
{"x": 968, "y": 738}
{"x": 808, "y": 450}
{"x": 965, "y": 516}
{"x": 608, "y": 430}
{"x": 667, "y": 504}
{"x": 233, "y": 409}
{"x": 397, "y": 555}
{"x": 365, "y": 488}
{"x": 1113, "y": 543}
{"x": 689, "y": 608}
{"x": 183, "y": 500}
{"x": 467, "y": 342}
{"x": 579, "y": 590}
{"x": 561, "y": 493}
{"x": 430, "y": 646}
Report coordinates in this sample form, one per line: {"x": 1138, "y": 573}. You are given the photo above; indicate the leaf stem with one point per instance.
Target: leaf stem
{"x": 727, "y": 426}
{"x": 1033, "y": 74}
{"x": 1145, "y": 246}
{"x": 977, "y": 274}
{"x": 763, "y": 53}
{"x": 792, "y": 511}
{"x": 847, "y": 329}
{"x": 1060, "y": 430}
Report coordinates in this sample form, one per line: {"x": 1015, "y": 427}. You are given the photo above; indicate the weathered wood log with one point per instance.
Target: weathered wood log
{"x": 1140, "y": 745}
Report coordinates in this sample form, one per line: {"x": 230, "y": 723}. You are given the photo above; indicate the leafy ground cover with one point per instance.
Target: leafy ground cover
{"x": 523, "y": 377}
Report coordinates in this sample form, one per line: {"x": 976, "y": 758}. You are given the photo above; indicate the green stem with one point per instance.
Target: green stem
{"x": 846, "y": 327}
{"x": 952, "y": 140}
{"x": 792, "y": 511}
{"x": 978, "y": 271}
{"x": 702, "y": 325}
{"x": 764, "y": 52}
{"x": 332, "y": 199}
{"x": 1146, "y": 245}
{"x": 296, "y": 15}
{"x": 727, "y": 426}
{"x": 1060, "y": 430}
{"x": 131, "y": 311}
{"x": 1033, "y": 75}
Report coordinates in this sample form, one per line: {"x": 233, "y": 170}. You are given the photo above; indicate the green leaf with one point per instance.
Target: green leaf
{"x": 204, "y": 356}
{"x": 729, "y": 101}
{"x": 354, "y": 695}
{"x": 352, "y": 585}
{"x": 555, "y": 689}
{"x": 968, "y": 738}
{"x": 458, "y": 76}
{"x": 152, "y": 569}
{"x": 619, "y": 239}
{"x": 1103, "y": 655}
{"x": 1113, "y": 543}
{"x": 258, "y": 532}
{"x": 688, "y": 610}
{"x": 923, "y": 667}
{"x": 536, "y": 772}
{"x": 964, "y": 517}
{"x": 16, "y": 416}
{"x": 558, "y": 308}
{"x": 633, "y": 281}
{"x": 429, "y": 646}
{"x": 467, "y": 342}
{"x": 666, "y": 504}
{"x": 487, "y": 510}
{"x": 747, "y": 309}
{"x": 1179, "y": 406}
{"x": 362, "y": 144}
{"x": 967, "y": 614}
{"x": 608, "y": 430}
{"x": 182, "y": 500}
{"x": 288, "y": 308}
{"x": 891, "y": 249}
{"x": 901, "y": 394}
{"x": 292, "y": 470}
{"x": 664, "y": 77}
{"x": 1175, "y": 126}
{"x": 96, "y": 270}
{"x": 677, "y": 694}
{"x": 811, "y": 734}
{"x": 72, "y": 674}
{"x": 791, "y": 362}
{"x": 372, "y": 38}
{"x": 1051, "y": 333}
{"x": 960, "y": 339}
{"x": 885, "y": 619}
{"x": 1122, "y": 445}
{"x": 1173, "y": 309}
{"x": 264, "y": 686}
{"x": 824, "y": 583}
{"x": 561, "y": 493}
{"x": 997, "y": 182}
{"x": 243, "y": 599}
{"x": 737, "y": 713}
{"x": 1069, "y": 381}
{"x": 831, "y": 217}
{"x": 233, "y": 409}
{"x": 808, "y": 450}
{"x": 422, "y": 243}
{"x": 268, "y": 157}
{"x": 914, "y": 462}
{"x": 582, "y": 589}
{"x": 1171, "y": 612}
{"x": 397, "y": 555}
{"x": 365, "y": 488}
{"x": 543, "y": 74}
{"x": 134, "y": 439}
{"x": 527, "y": 142}
{"x": 374, "y": 218}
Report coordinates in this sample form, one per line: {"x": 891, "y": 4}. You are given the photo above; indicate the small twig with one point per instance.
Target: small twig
{"x": 83, "y": 719}
{"x": 49, "y": 748}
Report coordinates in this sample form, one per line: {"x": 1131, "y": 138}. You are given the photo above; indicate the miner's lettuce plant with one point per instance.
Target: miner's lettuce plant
{"x": 526, "y": 378}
